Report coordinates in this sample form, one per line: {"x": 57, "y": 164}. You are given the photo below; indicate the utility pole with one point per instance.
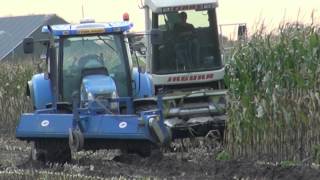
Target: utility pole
{"x": 82, "y": 8}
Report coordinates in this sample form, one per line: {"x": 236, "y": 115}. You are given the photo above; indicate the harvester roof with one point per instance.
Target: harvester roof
{"x": 162, "y": 6}
{"x": 88, "y": 28}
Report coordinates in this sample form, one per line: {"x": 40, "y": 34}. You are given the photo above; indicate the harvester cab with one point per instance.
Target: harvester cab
{"x": 85, "y": 101}
{"x": 184, "y": 58}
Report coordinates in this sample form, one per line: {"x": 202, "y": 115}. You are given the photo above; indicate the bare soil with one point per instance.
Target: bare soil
{"x": 195, "y": 161}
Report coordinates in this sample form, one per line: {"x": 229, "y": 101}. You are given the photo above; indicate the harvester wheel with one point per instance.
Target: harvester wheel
{"x": 51, "y": 151}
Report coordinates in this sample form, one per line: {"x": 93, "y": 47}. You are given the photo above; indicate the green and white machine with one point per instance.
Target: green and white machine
{"x": 187, "y": 70}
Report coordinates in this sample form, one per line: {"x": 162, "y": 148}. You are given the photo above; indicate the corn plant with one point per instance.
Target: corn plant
{"x": 13, "y": 101}
{"x": 274, "y": 83}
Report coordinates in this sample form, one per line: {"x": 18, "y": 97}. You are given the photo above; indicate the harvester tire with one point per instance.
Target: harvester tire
{"x": 51, "y": 151}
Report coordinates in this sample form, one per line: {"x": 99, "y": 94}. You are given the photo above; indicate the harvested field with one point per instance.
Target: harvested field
{"x": 198, "y": 162}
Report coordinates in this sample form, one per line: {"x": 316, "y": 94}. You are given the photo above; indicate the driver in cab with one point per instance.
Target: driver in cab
{"x": 88, "y": 61}
{"x": 183, "y": 29}
{"x": 186, "y": 44}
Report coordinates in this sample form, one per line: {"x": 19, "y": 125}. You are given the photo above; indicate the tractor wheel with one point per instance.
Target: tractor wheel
{"x": 51, "y": 151}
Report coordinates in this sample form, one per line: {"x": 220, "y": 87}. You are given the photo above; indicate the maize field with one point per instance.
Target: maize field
{"x": 274, "y": 100}
{"x": 13, "y": 100}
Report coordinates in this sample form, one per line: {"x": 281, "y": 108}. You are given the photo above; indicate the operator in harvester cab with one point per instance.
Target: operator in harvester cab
{"x": 183, "y": 29}
{"x": 186, "y": 44}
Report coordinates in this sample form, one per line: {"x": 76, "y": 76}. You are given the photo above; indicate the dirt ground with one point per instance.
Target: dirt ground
{"x": 197, "y": 162}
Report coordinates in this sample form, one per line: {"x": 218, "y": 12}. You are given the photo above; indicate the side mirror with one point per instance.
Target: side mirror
{"x": 242, "y": 32}
{"x": 43, "y": 56}
{"x": 28, "y": 45}
{"x": 157, "y": 37}
{"x": 139, "y": 47}
{"x": 136, "y": 41}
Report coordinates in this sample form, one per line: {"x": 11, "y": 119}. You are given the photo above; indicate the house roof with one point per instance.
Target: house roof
{"x": 15, "y": 28}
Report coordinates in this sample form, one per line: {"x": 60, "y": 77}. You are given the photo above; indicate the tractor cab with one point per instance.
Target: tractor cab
{"x": 89, "y": 59}
{"x": 94, "y": 54}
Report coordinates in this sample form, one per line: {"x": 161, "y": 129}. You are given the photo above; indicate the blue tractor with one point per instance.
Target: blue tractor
{"x": 90, "y": 97}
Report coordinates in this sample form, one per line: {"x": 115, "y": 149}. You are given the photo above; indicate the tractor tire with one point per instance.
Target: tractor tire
{"x": 51, "y": 151}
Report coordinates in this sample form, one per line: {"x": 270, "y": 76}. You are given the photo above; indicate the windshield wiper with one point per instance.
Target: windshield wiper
{"x": 106, "y": 43}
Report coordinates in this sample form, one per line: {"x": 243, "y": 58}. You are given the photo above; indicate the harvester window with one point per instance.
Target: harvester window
{"x": 188, "y": 46}
{"x": 93, "y": 52}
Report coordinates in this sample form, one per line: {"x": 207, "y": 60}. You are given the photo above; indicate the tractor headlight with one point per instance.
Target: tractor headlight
{"x": 114, "y": 95}
{"x": 85, "y": 97}
{"x": 90, "y": 96}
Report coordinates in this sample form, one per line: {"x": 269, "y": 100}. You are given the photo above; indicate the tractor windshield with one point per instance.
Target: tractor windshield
{"x": 190, "y": 43}
{"x": 88, "y": 52}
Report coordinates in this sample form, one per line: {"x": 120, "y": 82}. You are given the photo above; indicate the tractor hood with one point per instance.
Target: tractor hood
{"x": 99, "y": 84}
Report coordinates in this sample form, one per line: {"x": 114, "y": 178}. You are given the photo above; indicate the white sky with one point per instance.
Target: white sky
{"x": 230, "y": 11}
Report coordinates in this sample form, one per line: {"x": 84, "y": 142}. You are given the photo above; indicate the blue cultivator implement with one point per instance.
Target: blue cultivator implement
{"x": 90, "y": 97}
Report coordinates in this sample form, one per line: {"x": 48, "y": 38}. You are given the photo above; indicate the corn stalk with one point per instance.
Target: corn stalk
{"x": 274, "y": 85}
{"x": 13, "y": 100}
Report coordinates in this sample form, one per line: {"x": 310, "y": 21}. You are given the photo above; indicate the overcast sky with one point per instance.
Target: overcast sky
{"x": 230, "y": 11}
